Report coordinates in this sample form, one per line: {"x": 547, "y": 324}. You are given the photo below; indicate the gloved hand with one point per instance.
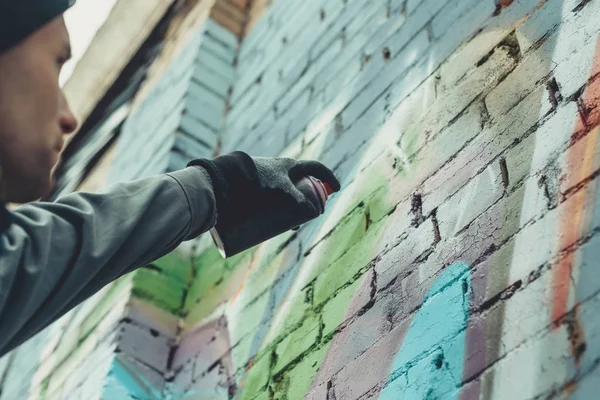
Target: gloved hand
{"x": 243, "y": 181}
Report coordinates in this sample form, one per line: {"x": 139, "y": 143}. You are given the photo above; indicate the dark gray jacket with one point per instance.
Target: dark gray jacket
{"x": 56, "y": 255}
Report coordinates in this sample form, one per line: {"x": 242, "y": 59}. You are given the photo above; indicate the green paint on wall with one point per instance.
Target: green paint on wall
{"x": 163, "y": 291}
{"x": 240, "y": 353}
{"x": 217, "y": 280}
{"x": 219, "y": 292}
{"x": 296, "y": 343}
{"x": 257, "y": 378}
{"x": 44, "y": 388}
{"x": 379, "y": 206}
{"x": 297, "y": 382}
{"x": 295, "y": 308}
{"x": 350, "y": 231}
{"x": 208, "y": 277}
{"x": 262, "y": 396}
{"x": 360, "y": 248}
{"x": 209, "y": 256}
{"x": 212, "y": 273}
{"x": 335, "y": 309}
{"x": 175, "y": 266}
{"x": 337, "y": 260}
{"x": 342, "y": 271}
{"x": 210, "y": 269}
{"x": 372, "y": 181}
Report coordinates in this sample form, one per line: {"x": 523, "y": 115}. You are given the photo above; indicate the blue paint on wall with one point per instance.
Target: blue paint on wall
{"x": 429, "y": 364}
{"x": 123, "y": 383}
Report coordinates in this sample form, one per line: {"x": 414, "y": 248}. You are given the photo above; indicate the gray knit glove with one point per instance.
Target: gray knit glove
{"x": 283, "y": 173}
{"x": 243, "y": 183}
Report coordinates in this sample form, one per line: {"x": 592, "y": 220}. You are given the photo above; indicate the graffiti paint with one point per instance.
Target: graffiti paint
{"x": 429, "y": 363}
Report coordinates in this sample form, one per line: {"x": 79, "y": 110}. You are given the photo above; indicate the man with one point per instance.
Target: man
{"x": 55, "y": 255}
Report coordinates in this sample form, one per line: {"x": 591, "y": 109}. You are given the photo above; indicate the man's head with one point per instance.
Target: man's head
{"x": 34, "y": 113}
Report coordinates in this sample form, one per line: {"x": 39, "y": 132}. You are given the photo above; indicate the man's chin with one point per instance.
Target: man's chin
{"x": 26, "y": 194}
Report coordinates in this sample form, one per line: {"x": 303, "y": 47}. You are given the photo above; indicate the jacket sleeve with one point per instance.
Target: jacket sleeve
{"x": 56, "y": 255}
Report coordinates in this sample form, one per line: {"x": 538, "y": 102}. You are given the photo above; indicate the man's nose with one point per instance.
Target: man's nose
{"x": 68, "y": 121}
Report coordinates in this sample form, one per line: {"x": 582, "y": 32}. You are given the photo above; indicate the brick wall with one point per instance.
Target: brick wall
{"x": 182, "y": 115}
{"x": 458, "y": 260}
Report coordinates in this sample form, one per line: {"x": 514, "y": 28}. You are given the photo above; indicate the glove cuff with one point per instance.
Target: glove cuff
{"x": 232, "y": 174}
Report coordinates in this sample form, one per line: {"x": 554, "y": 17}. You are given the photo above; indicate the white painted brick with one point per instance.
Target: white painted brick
{"x": 225, "y": 55}
{"x": 362, "y": 97}
{"x": 445, "y": 145}
{"x": 539, "y": 365}
{"x": 368, "y": 40}
{"x": 531, "y": 368}
{"x": 575, "y": 37}
{"x": 372, "y": 366}
{"x": 580, "y": 66}
{"x": 450, "y": 103}
{"x": 470, "y": 201}
{"x": 136, "y": 341}
{"x": 484, "y": 148}
{"x": 534, "y": 67}
{"x": 367, "y": 139}
{"x": 402, "y": 185}
{"x": 499, "y": 222}
{"x": 466, "y": 57}
{"x": 398, "y": 35}
{"x": 101, "y": 356}
{"x": 533, "y": 153}
{"x": 399, "y": 258}
{"x": 540, "y": 23}
{"x": 70, "y": 366}
{"x": 515, "y": 261}
{"x": 319, "y": 393}
{"x": 212, "y": 80}
{"x": 513, "y": 214}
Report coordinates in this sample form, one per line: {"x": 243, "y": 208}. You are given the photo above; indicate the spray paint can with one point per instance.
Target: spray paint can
{"x": 275, "y": 218}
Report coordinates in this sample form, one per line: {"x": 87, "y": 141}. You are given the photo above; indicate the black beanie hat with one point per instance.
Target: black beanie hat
{"x": 20, "y": 18}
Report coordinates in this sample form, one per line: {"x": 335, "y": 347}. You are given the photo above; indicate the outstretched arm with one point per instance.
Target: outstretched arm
{"x": 56, "y": 255}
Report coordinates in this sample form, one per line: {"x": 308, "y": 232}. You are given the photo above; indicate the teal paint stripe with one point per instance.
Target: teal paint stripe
{"x": 430, "y": 362}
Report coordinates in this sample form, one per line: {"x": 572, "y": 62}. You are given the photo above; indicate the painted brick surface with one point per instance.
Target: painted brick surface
{"x": 181, "y": 117}
{"x": 458, "y": 261}
{"x": 446, "y": 267}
